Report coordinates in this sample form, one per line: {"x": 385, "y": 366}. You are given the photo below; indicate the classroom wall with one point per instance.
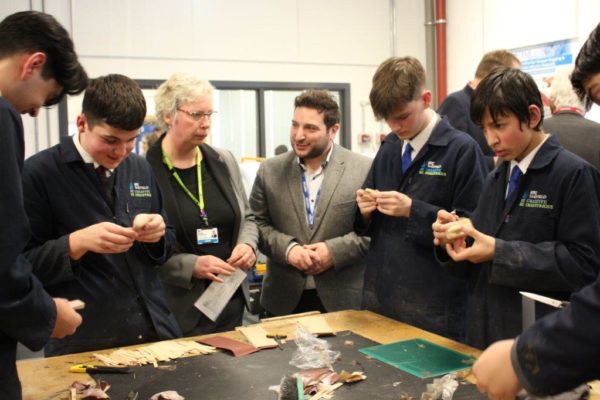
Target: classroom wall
{"x": 477, "y": 26}
{"x": 294, "y": 40}
{"x": 260, "y": 40}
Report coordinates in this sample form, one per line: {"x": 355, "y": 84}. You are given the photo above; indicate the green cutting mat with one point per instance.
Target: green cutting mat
{"x": 420, "y": 357}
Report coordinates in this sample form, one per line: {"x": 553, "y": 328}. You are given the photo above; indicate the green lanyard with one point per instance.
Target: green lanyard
{"x": 199, "y": 201}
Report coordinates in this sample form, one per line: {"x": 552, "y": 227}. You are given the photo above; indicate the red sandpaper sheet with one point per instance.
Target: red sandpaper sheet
{"x": 238, "y": 348}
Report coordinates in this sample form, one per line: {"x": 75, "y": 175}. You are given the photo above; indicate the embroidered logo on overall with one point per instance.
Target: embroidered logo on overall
{"x": 534, "y": 199}
{"x": 432, "y": 169}
{"x": 137, "y": 190}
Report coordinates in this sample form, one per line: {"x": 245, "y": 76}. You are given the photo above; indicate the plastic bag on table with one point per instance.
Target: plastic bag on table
{"x": 312, "y": 352}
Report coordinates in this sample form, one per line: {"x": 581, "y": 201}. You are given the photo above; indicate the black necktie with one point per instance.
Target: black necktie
{"x": 108, "y": 181}
{"x": 103, "y": 172}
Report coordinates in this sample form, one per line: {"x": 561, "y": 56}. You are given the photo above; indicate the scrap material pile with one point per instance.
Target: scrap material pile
{"x": 153, "y": 353}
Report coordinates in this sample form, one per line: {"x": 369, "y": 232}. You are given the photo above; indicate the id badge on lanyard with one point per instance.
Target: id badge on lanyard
{"x": 207, "y": 236}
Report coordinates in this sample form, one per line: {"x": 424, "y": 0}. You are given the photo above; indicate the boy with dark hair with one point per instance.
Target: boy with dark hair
{"x": 32, "y": 46}
{"x": 586, "y": 75}
{"x": 456, "y": 105}
{"x": 40, "y": 39}
{"x": 97, "y": 223}
{"x": 425, "y": 167}
{"x": 560, "y": 351}
{"x": 537, "y": 220}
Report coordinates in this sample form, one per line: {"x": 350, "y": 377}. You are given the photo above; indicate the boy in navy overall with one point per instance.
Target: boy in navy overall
{"x": 561, "y": 350}
{"x": 424, "y": 166}
{"x": 537, "y": 222}
{"x": 97, "y": 223}
{"x": 38, "y": 66}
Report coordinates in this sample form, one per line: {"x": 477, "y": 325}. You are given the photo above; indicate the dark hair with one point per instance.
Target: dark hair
{"x": 494, "y": 59}
{"x": 115, "y": 100}
{"x": 322, "y": 101}
{"x": 587, "y": 64}
{"x": 33, "y": 31}
{"x": 506, "y": 91}
{"x": 396, "y": 82}
{"x": 282, "y": 148}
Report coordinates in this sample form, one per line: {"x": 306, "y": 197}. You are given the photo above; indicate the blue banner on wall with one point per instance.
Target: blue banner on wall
{"x": 544, "y": 59}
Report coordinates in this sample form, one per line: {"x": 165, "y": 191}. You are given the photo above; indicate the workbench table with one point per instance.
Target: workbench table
{"x": 44, "y": 378}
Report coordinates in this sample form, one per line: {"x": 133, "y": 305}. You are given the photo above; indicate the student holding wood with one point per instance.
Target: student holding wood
{"x": 98, "y": 228}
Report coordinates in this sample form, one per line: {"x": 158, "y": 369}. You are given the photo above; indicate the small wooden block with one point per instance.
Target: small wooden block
{"x": 257, "y": 336}
{"x": 77, "y": 304}
{"x": 316, "y": 325}
{"x": 454, "y": 229}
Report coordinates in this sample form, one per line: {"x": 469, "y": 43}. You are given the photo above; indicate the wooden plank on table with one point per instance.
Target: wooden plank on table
{"x": 290, "y": 316}
{"x": 316, "y": 324}
{"x": 257, "y": 336}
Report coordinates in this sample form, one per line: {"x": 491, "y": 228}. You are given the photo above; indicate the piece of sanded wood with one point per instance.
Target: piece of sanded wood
{"x": 257, "y": 336}
{"x": 77, "y": 304}
{"x": 316, "y": 325}
{"x": 290, "y": 316}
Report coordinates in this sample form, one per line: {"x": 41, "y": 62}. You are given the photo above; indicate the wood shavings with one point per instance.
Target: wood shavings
{"x": 355, "y": 376}
{"x": 154, "y": 353}
{"x": 94, "y": 394}
{"x": 325, "y": 391}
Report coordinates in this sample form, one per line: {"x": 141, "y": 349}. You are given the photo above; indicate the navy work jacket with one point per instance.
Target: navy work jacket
{"x": 403, "y": 280}
{"x": 547, "y": 240}
{"x": 27, "y": 312}
{"x": 123, "y": 294}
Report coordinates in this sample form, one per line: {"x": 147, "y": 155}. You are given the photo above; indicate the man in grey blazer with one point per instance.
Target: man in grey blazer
{"x": 304, "y": 204}
{"x": 575, "y": 132}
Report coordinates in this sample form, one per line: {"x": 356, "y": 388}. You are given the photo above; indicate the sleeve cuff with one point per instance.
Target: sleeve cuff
{"x": 289, "y": 248}
{"x": 521, "y": 376}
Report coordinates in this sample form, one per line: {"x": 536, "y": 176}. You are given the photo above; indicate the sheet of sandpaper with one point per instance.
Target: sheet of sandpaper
{"x": 239, "y": 349}
{"x": 420, "y": 357}
{"x": 220, "y": 376}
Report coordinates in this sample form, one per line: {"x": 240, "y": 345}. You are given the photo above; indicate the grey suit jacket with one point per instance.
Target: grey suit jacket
{"x": 277, "y": 201}
{"x": 181, "y": 289}
{"x": 577, "y": 134}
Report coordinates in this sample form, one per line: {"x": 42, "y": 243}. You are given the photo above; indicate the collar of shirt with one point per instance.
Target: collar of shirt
{"x": 526, "y": 161}
{"x": 422, "y": 137}
{"x": 85, "y": 156}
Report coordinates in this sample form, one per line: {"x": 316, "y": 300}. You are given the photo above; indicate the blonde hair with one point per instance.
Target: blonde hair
{"x": 179, "y": 88}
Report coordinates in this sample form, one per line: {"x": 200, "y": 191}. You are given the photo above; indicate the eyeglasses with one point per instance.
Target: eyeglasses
{"x": 197, "y": 116}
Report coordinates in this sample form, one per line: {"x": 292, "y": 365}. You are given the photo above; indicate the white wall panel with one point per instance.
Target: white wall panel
{"x": 336, "y": 31}
{"x": 129, "y": 28}
{"x": 519, "y": 23}
{"x": 588, "y": 17}
{"x": 410, "y": 29}
{"x": 464, "y": 31}
{"x": 257, "y": 30}
{"x": 343, "y": 31}
{"x": 12, "y": 6}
